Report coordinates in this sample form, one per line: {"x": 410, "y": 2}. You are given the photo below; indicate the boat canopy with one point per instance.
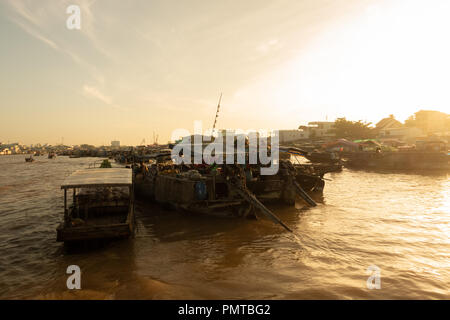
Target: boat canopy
{"x": 98, "y": 177}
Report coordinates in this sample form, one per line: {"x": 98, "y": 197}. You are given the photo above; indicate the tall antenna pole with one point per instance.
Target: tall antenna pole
{"x": 217, "y": 113}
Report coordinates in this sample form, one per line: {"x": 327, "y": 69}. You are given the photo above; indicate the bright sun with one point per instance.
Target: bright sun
{"x": 392, "y": 58}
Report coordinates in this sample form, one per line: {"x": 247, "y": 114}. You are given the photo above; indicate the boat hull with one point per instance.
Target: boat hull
{"x": 72, "y": 234}
{"x": 399, "y": 161}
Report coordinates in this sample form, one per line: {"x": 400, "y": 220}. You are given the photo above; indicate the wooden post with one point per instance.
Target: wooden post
{"x": 132, "y": 221}
{"x": 213, "y": 196}
{"x": 65, "y": 205}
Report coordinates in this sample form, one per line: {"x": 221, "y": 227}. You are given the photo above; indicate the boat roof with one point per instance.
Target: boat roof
{"x": 98, "y": 177}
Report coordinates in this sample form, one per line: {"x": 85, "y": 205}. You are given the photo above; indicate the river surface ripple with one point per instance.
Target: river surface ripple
{"x": 397, "y": 222}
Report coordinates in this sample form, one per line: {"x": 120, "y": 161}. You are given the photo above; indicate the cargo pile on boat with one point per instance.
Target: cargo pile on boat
{"x": 217, "y": 189}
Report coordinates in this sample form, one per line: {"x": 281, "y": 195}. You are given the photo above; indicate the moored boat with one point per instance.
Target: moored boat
{"x": 323, "y": 157}
{"x": 102, "y": 205}
{"x": 401, "y": 160}
{"x": 223, "y": 190}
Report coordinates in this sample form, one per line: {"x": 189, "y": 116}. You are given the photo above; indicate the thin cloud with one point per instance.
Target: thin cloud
{"x": 34, "y": 25}
{"x": 31, "y": 31}
{"x": 20, "y": 8}
{"x": 91, "y": 91}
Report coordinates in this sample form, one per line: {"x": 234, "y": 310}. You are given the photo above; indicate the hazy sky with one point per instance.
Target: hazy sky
{"x": 136, "y": 67}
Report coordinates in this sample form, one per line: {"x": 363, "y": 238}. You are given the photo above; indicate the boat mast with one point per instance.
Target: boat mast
{"x": 217, "y": 114}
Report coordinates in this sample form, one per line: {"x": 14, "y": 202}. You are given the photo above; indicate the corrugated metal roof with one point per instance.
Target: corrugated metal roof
{"x": 98, "y": 177}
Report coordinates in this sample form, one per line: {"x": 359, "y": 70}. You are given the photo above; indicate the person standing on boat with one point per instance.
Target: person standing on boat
{"x": 144, "y": 168}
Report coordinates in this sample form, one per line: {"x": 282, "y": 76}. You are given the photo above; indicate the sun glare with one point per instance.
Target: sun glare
{"x": 392, "y": 56}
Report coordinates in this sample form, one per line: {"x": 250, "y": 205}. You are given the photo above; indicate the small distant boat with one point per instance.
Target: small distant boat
{"x": 52, "y": 155}
{"x": 105, "y": 164}
{"x": 29, "y": 159}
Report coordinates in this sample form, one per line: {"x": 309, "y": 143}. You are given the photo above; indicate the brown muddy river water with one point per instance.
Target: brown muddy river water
{"x": 398, "y": 222}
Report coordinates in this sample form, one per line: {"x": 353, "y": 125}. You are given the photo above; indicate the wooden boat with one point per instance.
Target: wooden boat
{"x": 222, "y": 190}
{"x": 309, "y": 176}
{"x": 102, "y": 205}
{"x": 323, "y": 157}
{"x": 105, "y": 164}
{"x": 29, "y": 159}
{"x": 401, "y": 160}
